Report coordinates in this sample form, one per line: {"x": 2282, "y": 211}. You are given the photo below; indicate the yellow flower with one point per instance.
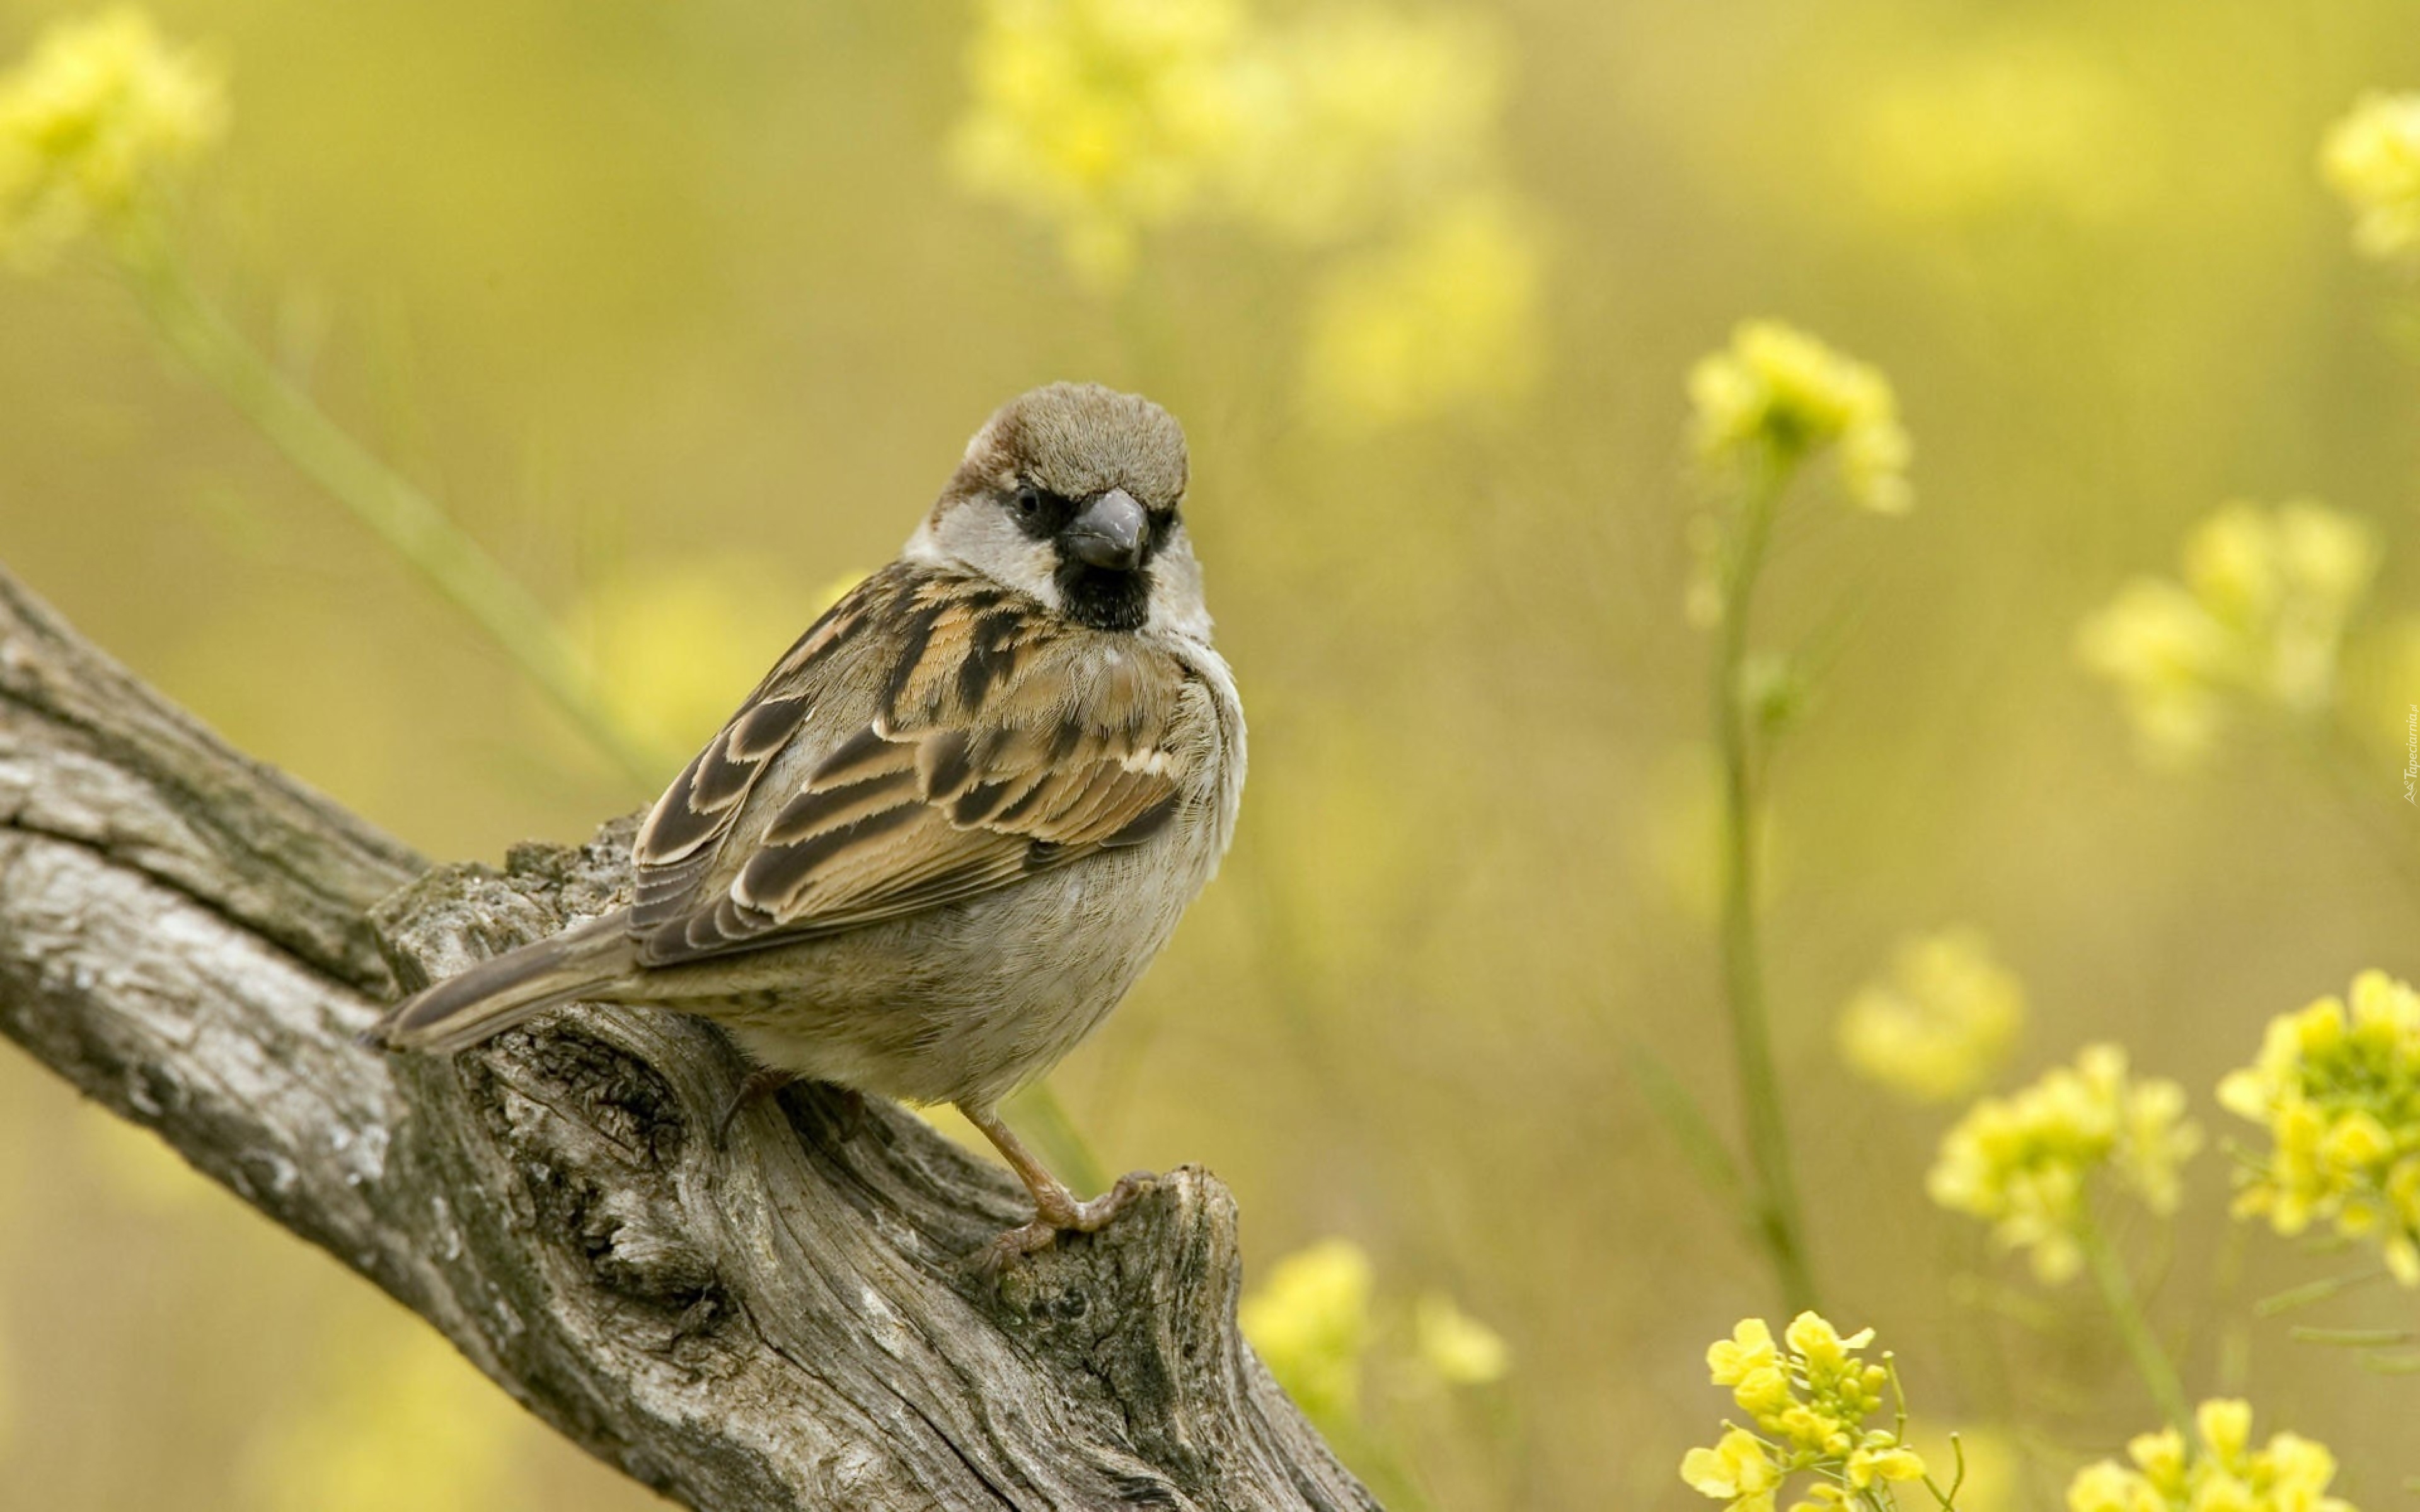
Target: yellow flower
{"x": 1767, "y": 1396}
{"x": 2298, "y": 1472}
{"x": 2011, "y": 123}
{"x": 1814, "y": 1340}
{"x": 91, "y": 122}
{"x": 2109, "y": 1487}
{"x": 1814, "y": 1397}
{"x": 1943, "y": 1022}
{"x": 2222, "y": 1473}
{"x": 2025, "y": 1162}
{"x": 2337, "y": 1086}
{"x": 1748, "y": 1350}
{"x": 1357, "y": 111}
{"x": 1447, "y": 319}
{"x": 1736, "y": 1470}
{"x": 1103, "y": 116}
{"x": 1310, "y": 1323}
{"x": 1462, "y": 1350}
{"x": 1347, "y": 123}
{"x": 1111, "y": 117}
{"x": 2169, "y": 657}
{"x": 2226, "y": 1429}
{"x": 2284, "y": 582}
{"x": 2372, "y": 158}
{"x": 1777, "y": 395}
{"x": 1883, "y": 1459}
{"x": 2160, "y": 1456}
{"x": 2259, "y": 619}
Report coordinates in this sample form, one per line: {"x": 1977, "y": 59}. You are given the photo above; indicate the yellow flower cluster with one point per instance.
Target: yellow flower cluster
{"x": 2340, "y": 1094}
{"x": 2222, "y": 1474}
{"x": 1310, "y": 1324}
{"x": 1457, "y": 1348}
{"x": 1355, "y": 112}
{"x": 1347, "y": 126}
{"x": 2024, "y": 1163}
{"x": 1941, "y": 1024}
{"x": 2259, "y": 617}
{"x": 1999, "y": 124}
{"x": 2372, "y": 158}
{"x": 90, "y": 123}
{"x": 1103, "y": 116}
{"x": 1108, "y": 118}
{"x": 1810, "y": 1397}
{"x": 1313, "y": 1325}
{"x": 1778, "y": 396}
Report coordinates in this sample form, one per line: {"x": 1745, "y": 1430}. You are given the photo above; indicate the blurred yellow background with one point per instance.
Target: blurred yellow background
{"x": 686, "y": 311}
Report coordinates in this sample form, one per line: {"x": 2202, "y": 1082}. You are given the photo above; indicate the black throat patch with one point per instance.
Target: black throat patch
{"x": 1102, "y": 599}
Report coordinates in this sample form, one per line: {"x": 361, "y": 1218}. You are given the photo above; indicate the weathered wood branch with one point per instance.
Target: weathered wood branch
{"x": 193, "y": 940}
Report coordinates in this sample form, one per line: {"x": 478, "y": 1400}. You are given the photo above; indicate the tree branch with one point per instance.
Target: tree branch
{"x": 193, "y": 939}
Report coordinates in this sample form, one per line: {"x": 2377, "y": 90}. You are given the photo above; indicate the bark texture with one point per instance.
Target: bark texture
{"x": 193, "y": 940}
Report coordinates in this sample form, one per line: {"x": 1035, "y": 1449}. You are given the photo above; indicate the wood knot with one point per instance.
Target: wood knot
{"x": 596, "y": 1135}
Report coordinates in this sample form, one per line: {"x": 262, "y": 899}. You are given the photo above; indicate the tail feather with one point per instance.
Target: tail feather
{"x": 493, "y": 995}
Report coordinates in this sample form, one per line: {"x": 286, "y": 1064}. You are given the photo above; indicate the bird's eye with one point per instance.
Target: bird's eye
{"x": 1027, "y": 501}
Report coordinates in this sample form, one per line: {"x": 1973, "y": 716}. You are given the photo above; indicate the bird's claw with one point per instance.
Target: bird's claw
{"x": 1065, "y": 1215}
{"x": 758, "y": 1085}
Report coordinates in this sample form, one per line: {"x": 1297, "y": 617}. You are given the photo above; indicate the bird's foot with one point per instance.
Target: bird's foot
{"x": 852, "y": 1116}
{"x": 1057, "y": 1212}
{"x": 758, "y": 1085}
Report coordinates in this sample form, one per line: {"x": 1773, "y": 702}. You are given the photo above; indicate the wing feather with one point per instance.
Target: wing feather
{"x": 1004, "y": 743}
{"x": 697, "y": 813}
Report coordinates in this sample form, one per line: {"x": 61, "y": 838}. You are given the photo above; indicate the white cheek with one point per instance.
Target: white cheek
{"x": 981, "y": 539}
{"x": 1043, "y": 583}
{"x": 1176, "y": 604}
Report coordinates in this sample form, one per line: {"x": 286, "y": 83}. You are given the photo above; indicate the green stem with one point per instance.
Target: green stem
{"x": 402, "y": 517}
{"x": 2126, "y": 1310}
{"x": 2316, "y": 1291}
{"x": 1703, "y": 1149}
{"x": 1775, "y": 1213}
{"x": 2352, "y": 1338}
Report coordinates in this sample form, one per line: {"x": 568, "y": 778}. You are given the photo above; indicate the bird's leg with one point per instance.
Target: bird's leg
{"x": 755, "y": 1087}
{"x": 852, "y": 1119}
{"x": 1055, "y": 1207}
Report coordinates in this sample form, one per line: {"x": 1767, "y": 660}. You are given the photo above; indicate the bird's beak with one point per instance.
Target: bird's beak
{"x": 1109, "y": 532}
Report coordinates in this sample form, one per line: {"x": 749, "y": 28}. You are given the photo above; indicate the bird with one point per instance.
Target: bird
{"x": 955, "y": 821}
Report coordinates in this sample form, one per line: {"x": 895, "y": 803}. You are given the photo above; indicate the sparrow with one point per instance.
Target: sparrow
{"x": 956, "y": 820}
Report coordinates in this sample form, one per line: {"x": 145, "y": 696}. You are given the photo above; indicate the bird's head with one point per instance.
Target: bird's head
{"x": 1071, "y": 494}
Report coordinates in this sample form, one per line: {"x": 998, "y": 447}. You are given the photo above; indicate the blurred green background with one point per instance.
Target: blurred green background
{"x": 686, "y": 311}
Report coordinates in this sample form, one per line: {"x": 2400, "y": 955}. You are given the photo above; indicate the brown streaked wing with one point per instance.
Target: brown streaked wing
{"x": 968, "y": 782}
{"x": 681, "y": 836}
